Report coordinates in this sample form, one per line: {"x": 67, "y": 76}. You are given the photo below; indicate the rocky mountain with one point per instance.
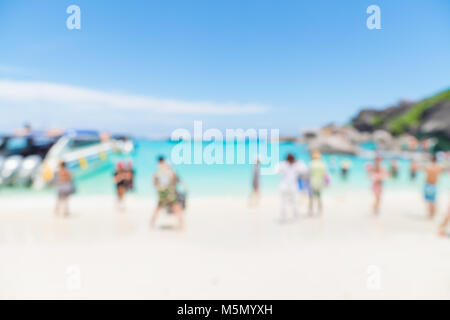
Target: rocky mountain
{"x": 435, "y": 122}
{"x": 427, "y": 118}
{"x": 372, "y": 119}
{"x": 367, "y": 120}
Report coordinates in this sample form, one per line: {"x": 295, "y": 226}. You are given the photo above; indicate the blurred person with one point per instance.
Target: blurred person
{"x": 26, "y": 130}
{"x": 254, "y": 196}
{"x": 304, "y": 187}
{"x": 181, "y": 191}
{"x": 318, "y": 177}
{"x": 413, "y": 168}
{"x": 165, "y": 181}
{"x": 121, "y": 180}
{"x": 425, "y": 145}
{"x": 378, "y": 174}
{"x": 445, "y": 223}
{"x": 129, "y": 176}
{"x": 304, "y": 183}
{"x": 413, "y": 144}
{"x": 433, "y": 170}
{"x": 290, "y": 170}
{"x": 345, "y": 167}
{"x": 394, "y": 169}
{"x": 65, "y": 188}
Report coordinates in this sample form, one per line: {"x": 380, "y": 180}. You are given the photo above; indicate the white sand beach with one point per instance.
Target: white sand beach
{"x": 227, "y": 251}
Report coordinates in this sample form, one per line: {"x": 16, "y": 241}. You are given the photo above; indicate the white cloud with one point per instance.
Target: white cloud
{"x": 67, "y": 96}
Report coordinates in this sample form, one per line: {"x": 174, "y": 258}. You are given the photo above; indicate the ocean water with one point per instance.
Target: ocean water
{"x": 226, "y": 179}
{"x": 235, "y": 179}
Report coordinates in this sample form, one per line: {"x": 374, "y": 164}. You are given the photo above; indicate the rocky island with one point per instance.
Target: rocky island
{"x": 408, "y": 126}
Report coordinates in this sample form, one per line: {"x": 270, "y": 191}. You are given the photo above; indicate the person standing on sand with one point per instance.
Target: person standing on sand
{"x": 345, "y": 167}
{"x": 445, "y": 223}
{"x": 304, "y": 184}
{"x": 394, "y": 169}
{"x": 165, "y": 181}
{"x": 289, "y": 171}
{"x": 378, "y": 174}
{"x": 413, "y": 168}
{"x": 65, "y": 188}
{"x": 130, "y": 176}
{"x": 120, "y": 180}
{"x": 254, "y": 196}
{"x": 317, "y": 175}
{"x": 433, "y": 170}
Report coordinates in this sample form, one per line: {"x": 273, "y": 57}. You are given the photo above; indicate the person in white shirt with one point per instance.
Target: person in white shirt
{"x": 289, "y": 172}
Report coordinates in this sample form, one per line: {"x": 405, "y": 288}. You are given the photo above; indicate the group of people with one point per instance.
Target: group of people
{"x": 295, "y": 176}
{"x": 165, "y": 181}
{"x": 432, "y": 170}
{"x": 344, "y": 167}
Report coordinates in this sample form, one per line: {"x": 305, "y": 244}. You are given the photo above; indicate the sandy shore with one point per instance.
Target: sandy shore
{"x": 227, "y": 250}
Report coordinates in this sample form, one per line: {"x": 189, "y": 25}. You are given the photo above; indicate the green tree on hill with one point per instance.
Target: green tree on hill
{"x": 411, "y": 118}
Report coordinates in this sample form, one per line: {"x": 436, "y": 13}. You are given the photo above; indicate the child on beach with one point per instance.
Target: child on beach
{"x": 317, "y": 175}
{"x": 165, "y": 181}
{"x": 289, "y": 171}
{"x": 65, "y": 189}
{"x": 378, "y": 174}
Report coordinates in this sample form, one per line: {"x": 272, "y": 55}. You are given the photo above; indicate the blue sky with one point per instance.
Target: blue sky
{"x": 233, "y": 64}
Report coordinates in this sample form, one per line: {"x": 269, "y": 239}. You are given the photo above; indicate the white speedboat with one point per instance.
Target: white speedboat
{"x": 21, "y": 156}
{"x": 79, "y": 149}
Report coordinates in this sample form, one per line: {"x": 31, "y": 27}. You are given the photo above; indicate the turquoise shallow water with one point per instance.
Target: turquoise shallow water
{"x": 235, "y": 180}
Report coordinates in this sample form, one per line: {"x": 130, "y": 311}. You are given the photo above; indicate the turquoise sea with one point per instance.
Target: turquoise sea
{"x": 234, "y": 180}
